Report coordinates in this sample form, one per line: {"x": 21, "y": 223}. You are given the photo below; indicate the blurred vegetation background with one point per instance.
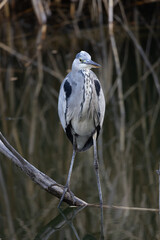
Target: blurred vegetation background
{"x": 38, "y": 42}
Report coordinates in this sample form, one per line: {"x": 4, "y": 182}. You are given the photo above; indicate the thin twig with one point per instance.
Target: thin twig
{"x": 126, "y": 208}
{"x": 37, "y": 91}
{"x": 119, "y": 78}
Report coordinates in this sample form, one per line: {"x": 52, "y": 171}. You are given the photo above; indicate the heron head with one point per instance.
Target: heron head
{"x": 83, "y": 61}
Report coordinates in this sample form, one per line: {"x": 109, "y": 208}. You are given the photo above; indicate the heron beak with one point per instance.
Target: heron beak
{"x": 92, "y": 63}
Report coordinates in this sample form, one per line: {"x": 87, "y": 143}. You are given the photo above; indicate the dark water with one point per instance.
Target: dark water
{"x": 32, "y": 68}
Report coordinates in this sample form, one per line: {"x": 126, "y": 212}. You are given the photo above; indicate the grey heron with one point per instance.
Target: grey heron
{"x": 81, "y": 109}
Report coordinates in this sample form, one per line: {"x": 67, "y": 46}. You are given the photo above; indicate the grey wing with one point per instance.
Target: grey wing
{"x": 65, "y": 92}
{"x": 101, "y": 106}
{"x": 101, "y": 100}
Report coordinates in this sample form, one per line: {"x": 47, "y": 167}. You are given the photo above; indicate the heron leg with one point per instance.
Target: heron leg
{"x": 96, "y": 167}
{"x": 67, "y": 186}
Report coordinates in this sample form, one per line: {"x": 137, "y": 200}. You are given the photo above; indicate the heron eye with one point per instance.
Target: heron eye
{"x": 80, "y": 59}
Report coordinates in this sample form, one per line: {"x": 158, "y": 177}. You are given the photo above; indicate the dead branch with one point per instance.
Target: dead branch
{"x": 37, "y": 176}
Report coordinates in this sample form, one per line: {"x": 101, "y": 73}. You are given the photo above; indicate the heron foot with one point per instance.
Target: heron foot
{"x": 72, "y": 195}
{"x": 66, "y": 189}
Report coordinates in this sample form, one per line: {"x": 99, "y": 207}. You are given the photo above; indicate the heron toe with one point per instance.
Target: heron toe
{"x": 67, "y": 189}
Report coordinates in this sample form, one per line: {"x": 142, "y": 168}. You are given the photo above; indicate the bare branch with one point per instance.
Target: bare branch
{"x": 37, "y": 176}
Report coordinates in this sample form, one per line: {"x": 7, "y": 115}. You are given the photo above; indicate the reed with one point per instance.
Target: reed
{"x": 32, "y": 66}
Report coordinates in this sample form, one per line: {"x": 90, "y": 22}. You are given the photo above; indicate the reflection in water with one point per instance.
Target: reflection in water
{"x": 70, "y": 222}
{"x": 65, "y": 217}
{"x": 30, "y": 79}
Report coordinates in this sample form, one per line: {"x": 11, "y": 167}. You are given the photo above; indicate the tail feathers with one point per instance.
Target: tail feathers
{"x": 82, "y": 142}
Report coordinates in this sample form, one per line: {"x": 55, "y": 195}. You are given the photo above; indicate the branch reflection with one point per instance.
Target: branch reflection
{"x": 64, "y": 217}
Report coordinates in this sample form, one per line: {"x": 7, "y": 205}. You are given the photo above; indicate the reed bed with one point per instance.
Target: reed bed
{"x": 33, "y": 61}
